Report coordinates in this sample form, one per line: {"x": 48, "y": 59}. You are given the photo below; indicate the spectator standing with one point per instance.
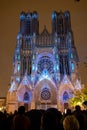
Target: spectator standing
{"x": 20, "y": 121}
{"x": 70, "y": 123}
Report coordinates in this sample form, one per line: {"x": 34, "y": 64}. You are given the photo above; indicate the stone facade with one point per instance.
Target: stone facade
{"x": 45, "y": 65}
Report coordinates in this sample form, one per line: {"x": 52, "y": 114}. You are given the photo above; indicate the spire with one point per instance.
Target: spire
{"x": 13, "y": 86}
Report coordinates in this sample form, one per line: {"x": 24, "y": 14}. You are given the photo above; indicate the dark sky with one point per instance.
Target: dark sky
{"x": 9, "y": 27}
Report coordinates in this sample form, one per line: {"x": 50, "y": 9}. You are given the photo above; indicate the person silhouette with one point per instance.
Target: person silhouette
{"x": 20, "y": 120}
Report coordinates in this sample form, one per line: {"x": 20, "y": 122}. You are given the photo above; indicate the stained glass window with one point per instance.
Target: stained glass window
{"x": 45, "y": 63}
{"x": 71, "y": 55}
{"x": 18, "y": 67}
{"x": 18, "y": 79}
{"x": 26, "y": 96}
{"x": 72, "y": 66}
{"x": 57, "y": 67}
{"x": 18, "y": 57}
{"x": 65, "y": 96}
{"x": 45, "y": 94}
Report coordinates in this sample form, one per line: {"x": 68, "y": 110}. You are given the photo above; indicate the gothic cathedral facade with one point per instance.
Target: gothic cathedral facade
{"x": 45, "y": 65}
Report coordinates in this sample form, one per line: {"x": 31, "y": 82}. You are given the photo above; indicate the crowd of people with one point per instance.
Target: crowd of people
{"x": 50, "y": 119}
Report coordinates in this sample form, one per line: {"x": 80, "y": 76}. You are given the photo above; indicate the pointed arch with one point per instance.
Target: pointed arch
{"x": 26, "y": 96}
{"x": 65, "y": 96}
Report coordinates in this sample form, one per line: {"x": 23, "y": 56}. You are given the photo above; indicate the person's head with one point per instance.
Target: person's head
{"x": 68, "y": 112}
{"x": 70, "y": 123}
{"x": 21, "y": 110}
{"x": 77, "y": 108}
{"x": 48, "y": 121}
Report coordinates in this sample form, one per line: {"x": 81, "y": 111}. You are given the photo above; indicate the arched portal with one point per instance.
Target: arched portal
{"x": 45, "y": 94}
{"x": 65, "y": 91}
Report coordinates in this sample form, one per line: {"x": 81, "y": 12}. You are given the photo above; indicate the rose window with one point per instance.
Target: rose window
{"x": 45, "y": 94}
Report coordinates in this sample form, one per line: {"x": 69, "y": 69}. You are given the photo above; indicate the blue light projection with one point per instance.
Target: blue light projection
{"x": 27, "y": 97}
{"x": 45, "y": 63}
{"x": 56, "y": 56}
{"x": 71, "y": 56}
{"x": 45, "y": 72}
{"x": 57, "y": 67}
{"x": 34, "y": 15}
{"x": 67, "y": 14}
{"x": 18, "y": 67}
{"x": 23, "y": 29}
{"x": 22, "y": 16}
{"x": 65, "y": 96}
{"x": 72, "y": 66}
{"x": 19, "y": 57}
{"x": 33, "y": 67}
{"x": 54, "y": 15}
{"x": 44, "y": 75}
{"x": 18, "y": 79}
{"x": 28, "y": 16}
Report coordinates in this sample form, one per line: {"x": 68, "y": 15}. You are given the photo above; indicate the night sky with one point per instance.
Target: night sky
{"x": 9, "y": 27}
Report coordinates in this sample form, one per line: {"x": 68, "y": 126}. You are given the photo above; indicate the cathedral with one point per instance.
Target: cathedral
{"x": 45, "y": 65}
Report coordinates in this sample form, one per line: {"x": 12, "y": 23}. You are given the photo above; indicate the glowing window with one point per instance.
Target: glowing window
{"x": 65, "y": 96}
{"x": 18, "y": 67}
{"x": 34, "y": 15}
{"x": 26, "y": 96}
{"x": 56, "y": 56}
{"x": 72, "y": 66}
{"x": 71, "y": 55}
{"x": 18, "y": 79}
{"x": 18, "y": 57}
{"x": 45, "y": 94}
{"x": 54, "y": 15}
{"x": 45, "y": 72}
{"x": 57, "y": 67}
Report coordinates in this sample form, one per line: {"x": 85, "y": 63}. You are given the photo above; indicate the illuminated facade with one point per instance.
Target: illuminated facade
{"x": 45, "y": 65}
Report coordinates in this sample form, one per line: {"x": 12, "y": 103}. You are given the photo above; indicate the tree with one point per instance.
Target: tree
{"x": 80, "y": 97}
